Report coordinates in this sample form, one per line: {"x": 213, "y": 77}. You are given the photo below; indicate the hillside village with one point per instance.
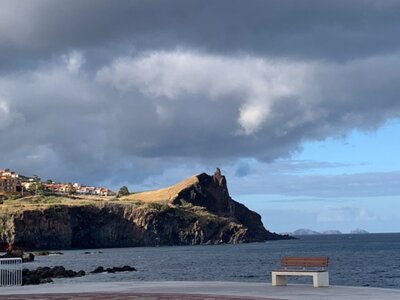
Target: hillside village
{"x": 12, "y": 183}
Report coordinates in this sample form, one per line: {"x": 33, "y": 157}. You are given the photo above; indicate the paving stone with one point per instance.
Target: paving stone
{"x": 128, "y": 296}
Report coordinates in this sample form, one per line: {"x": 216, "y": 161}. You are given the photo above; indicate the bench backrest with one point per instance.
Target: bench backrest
{"x": 305, "y": 262}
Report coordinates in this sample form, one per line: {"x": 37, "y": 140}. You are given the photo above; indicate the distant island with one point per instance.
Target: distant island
{"x": 306, "y": 231}
{"x": 198, "y": 210}
{"x": 358, "y": 231}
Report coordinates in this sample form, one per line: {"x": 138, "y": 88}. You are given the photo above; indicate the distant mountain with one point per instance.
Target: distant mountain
{"x": 305, "y": 231}
{"x": 358, "y": 231}
{"x": 331, "y": 232}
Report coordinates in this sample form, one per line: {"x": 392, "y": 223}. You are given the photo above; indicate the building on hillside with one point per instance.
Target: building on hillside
{"x": 79, "y": 189}
{"x": 33, "y": 178}
{"x": 9, "y": 182}
{"x": 104, "y": 192}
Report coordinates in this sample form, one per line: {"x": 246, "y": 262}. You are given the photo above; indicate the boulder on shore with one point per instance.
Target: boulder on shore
{"x": 47, "y": 253}
{"x": 113, "y": 270}
{"x": 25, "y": 256}
{"x": 46, "y": 274}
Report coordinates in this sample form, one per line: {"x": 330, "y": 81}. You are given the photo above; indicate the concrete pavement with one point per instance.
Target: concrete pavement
{"x": 203, "y": 290}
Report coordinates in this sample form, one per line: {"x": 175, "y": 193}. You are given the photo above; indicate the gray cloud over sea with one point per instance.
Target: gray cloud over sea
{"x": 103, "y": 91}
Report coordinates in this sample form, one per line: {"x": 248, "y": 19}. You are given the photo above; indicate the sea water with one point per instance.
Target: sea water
{"x": 354, "y": 260}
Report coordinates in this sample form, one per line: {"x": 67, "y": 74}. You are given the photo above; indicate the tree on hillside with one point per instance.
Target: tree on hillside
{"x": 36, "y": 188}
{"x": 70, "y": 189}
{"x": 123, "y": 191}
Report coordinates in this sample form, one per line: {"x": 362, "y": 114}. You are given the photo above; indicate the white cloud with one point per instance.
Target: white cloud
{"x": 7, "y": 116}
{"x": 251, "y": 117}
{"x": 178, "y": 75}
{"x": 274, "y": 96}
{"x": 4, "y": 115}
{"x": 73, "y": 61}
{"x": 200, "y": 107}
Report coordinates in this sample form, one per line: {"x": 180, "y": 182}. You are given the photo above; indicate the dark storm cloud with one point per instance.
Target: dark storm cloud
{"x": 104, "y": 90}
{"x": 221, "y": 106}
{"x": 309, "y": 29}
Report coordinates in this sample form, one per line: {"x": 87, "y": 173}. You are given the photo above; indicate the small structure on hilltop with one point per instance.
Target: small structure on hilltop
{"x": 220, "y": 180}
{"x": 218, "y": 177}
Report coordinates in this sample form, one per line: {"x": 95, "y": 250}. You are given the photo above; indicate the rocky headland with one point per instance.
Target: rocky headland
{"x": 198, "y": 210}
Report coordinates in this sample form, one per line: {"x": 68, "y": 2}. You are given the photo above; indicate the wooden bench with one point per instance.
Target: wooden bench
{"x": 302, "y": 266}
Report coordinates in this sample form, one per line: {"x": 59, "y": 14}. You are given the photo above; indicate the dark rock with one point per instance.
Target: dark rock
{"x": 113, "y": 269}
{"x": 46, "y": 253}
{"x": 98, "y": 270}
{"x": 45, "y": 274}
{"x": 58, "y": 272}
{"x": 70, "y": 273}
{"x": 42, "y": 253}
{"x": 30, "y": 279}
{"x": 28, "y": 257}
{"x": 92, "y": 252}
{"x": 46, "y": 280}
{"x": 128, "y": 269}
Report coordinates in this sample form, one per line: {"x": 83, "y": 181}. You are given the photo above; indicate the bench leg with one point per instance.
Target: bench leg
{"x": 279, "y": 279}
{"x": 321, "y": 279}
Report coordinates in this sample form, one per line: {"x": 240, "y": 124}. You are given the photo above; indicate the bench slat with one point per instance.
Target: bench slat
{"x": 306, "y": 262}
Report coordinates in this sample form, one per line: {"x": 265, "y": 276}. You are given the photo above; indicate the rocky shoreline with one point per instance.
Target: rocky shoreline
{"x": 46, "y": 274}
{"x": 43, "y": 275}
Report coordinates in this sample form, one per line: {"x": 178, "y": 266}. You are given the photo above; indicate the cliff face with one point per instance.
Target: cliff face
{"x": 200, "y": 213}
{"x": 212, "y": 193}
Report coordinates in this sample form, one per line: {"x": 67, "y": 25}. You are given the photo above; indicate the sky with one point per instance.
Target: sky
{"x": 296, "y": 102}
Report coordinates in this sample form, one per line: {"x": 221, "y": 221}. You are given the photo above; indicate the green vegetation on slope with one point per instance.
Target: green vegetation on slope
{"x": 43, "y": 202}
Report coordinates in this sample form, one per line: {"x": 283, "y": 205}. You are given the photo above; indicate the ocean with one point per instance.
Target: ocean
{"x": 354, "y": 260}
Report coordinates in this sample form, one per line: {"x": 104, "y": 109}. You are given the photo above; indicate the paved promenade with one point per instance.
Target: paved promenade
{"x": 193, "y": 290}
